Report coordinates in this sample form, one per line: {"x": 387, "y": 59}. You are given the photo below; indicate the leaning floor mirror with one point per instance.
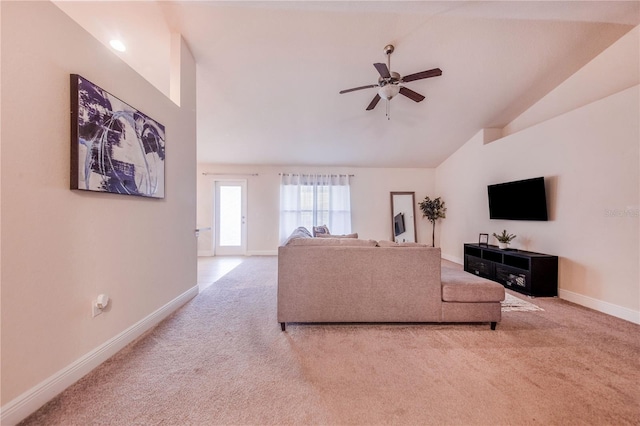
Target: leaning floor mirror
{"x": 403, "y": 218}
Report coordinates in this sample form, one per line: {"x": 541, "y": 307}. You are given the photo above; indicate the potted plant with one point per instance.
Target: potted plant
{"x": 504, "y": 239}
{"x": 433, "y": 210}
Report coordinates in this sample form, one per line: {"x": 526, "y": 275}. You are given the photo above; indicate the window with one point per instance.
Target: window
{"x": 314, "y": 200}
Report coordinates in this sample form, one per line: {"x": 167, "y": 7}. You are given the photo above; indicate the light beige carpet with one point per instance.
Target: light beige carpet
{"x": 222, "y": 359}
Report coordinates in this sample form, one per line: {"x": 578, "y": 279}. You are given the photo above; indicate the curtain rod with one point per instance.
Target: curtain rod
{"x": 308, "y": 174}
{"x": 230, "y": 174}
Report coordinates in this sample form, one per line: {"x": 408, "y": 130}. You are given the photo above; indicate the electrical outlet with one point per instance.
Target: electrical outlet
{"x": 95, "y": 311}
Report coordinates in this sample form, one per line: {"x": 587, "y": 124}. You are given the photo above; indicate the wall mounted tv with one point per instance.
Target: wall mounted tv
{"x": 518, "y": 200}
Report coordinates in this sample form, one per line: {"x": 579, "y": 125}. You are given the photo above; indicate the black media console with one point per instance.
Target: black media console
{"x": 534, "y": 274}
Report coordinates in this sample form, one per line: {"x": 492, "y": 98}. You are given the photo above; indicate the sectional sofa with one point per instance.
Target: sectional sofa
{"x": 327, "y": 280}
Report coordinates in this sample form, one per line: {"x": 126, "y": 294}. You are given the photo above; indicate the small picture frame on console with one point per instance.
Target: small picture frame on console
{"x": 483, "y": 240}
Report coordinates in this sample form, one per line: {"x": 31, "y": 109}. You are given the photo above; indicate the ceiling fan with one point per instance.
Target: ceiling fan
{"x": 390, "y": 82}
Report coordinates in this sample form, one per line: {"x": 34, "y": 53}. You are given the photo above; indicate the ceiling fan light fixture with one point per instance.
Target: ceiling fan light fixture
{"x": 388, "y": 91}
{"x": 389, "y": 82}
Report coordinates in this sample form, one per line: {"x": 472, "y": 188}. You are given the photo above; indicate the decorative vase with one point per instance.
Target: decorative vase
{"x": 503, "y": 245}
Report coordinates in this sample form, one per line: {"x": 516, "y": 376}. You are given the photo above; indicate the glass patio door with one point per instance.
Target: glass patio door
{"x": 230, "y": 218}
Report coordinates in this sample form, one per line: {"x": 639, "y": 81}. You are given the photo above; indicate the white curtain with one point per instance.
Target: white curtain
{"x": 313, "y": 200}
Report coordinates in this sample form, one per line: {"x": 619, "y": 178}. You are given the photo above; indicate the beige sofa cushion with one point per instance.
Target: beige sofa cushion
{"x": 384, "y": 243}
{"x": 343, "y": 242}
{"x": 461, "y": 286}
{"x": 354, "y": 235}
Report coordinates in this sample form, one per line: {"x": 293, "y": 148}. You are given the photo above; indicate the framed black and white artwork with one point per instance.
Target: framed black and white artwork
{"x": 114, "y": 147}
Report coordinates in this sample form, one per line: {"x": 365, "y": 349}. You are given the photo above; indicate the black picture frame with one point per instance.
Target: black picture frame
{"x": 483, "y": 240}
{"x": 115, "y": 148}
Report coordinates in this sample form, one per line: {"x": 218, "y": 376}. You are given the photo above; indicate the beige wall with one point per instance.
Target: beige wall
{"x": 619, "y": 66}
{"x": 61, "y": 248}
{"x": 587, "y": 148}
{"x": 370, "y": 200}
{"x": 589, "y": 158}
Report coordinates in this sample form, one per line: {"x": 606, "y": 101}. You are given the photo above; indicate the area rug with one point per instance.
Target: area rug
{"x": 515, "y": 304}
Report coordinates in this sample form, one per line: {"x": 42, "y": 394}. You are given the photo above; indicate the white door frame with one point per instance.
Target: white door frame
{"x": 223, "y": 251}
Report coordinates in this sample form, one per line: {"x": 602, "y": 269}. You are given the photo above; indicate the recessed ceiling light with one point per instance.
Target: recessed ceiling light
{"x": 118, "y": 45}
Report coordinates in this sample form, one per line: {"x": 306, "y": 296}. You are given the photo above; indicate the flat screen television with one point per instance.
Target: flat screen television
{"x": 398, "y": 224}
{"x": 518, "y": 200}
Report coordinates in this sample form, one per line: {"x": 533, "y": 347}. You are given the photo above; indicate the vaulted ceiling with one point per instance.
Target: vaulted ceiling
{"x": 269, "y": 73}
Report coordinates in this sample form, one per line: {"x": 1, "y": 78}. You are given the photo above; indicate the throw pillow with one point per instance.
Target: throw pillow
{"x": 300, "y": 232}
{"x": 317, "y": 230}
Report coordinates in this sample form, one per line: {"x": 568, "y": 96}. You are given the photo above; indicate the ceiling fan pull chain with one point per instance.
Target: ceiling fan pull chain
{"x": 388, "y": 110}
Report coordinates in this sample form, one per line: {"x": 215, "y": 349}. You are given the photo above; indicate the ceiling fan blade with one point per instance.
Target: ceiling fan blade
{"x": 414, "y": 96}
{"x": 374, "y": 102}
{"x": 358, "y": 88}
{"x": 382, "y": 69}
{"x": 420, "y": 75}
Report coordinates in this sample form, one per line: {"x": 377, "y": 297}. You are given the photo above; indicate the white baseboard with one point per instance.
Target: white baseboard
{"x": 205, "y": 253}
{"x": 452, "y": 259}
{"x": 601, "y": 306}
{"x": 586, "y": 301}
{"x": 27, "y": 403}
